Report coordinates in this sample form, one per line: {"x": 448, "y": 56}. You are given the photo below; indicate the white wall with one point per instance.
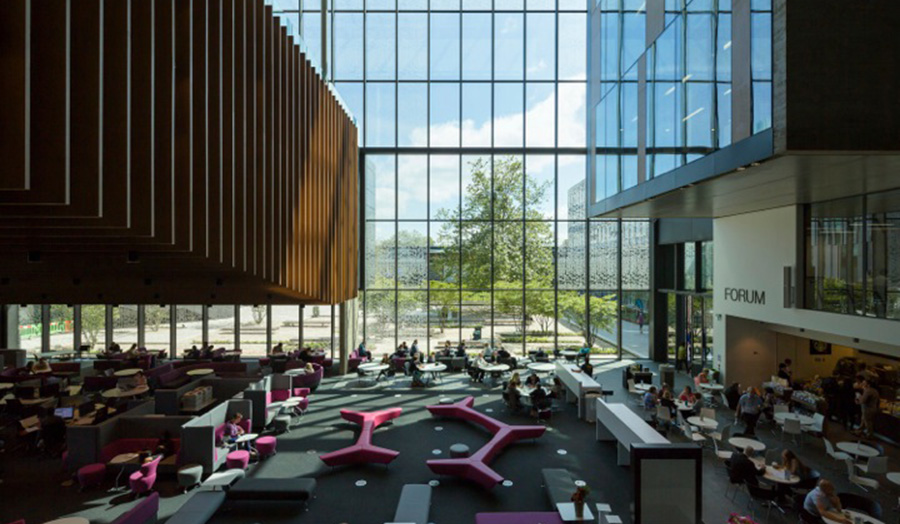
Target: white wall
{"x": 751, "y": 251}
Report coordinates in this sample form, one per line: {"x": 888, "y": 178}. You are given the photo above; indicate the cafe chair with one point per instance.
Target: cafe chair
{"x": 864, "y": 504}
{"x": 142, "y": 481}
{"x": 721, "y": 436}
{"x": 861, "y": 482}
{"x": 708, "y": 413}
{"x": 764, "y": 497}
{"x": 874, "y": 466}
{"x": 781, "y": 408}
{"x": 839, "y": 456}
{"x": 664, "y": 417}
{"x": 737, "y": 484}
{"x": 722, "y": 455}
{"x": 689, "y": 431}
{"x": 818, "y": 426}
{"x": 634, "y": 391}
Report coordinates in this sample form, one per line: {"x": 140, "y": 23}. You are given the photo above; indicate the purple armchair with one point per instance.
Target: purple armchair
{"x": 142, "y": 480}
{"x": 354, "y": 361}
{"x": 310, "y": 380}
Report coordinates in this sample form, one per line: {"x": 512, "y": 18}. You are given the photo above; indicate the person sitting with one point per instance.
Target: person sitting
{"x": 559, "y": 390}
{"x": 488, "y": 353}
{"x": 540, "y": 355}
{"x": 446, "y": 350}
{"x": 42, "y": 366}
{"x": 278, "y": 349}
{"x": 389, "y": 372}
{"x": 461, "y": 349}
{"x": 309, "y": 368}
{"x": 666, "y": 400}
{"x": 533, "y": 380}
{"x": 364, "y": 353}
{"x": 539, "y": 400}
{"x": 419, "y": 377}
{"x": 192, "y": 353}
{"x": 587, "y": 367}
{"x": 233, "y": 430}
{"x": 650, "y": 399}
{"x": 114, "y": 348}
{"x": 414, "y": 349}
{"x": 791, "y": 462}
{"x": 131, "y": 352}
{"x": 134, "y": 381}
{"x": 512, "y": 393}
{"x": 503, "y": 353}
{"x": 477, "y": 371}
{"x": 743, "y": 469}
{"x": 687, "y": 396}
{"x": 823, "y": 503}
{"x": 306, "y": 354}
{"x": 701, "y": 378}
{"x": 165, "y": 446}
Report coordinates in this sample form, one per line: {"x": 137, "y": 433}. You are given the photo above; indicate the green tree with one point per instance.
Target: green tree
{"x": 93, "y": 322}
{"x": 541, "y": 309}
{"x": 444, "y": 297}
{"x": 154, "y": 316}
{"x": 602, "y": 313}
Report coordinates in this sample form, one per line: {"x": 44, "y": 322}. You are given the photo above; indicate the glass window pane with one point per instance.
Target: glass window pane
{"x": 93, "y": 326}
{"x": 571, "y": 115}
{"x": 380, "y": 46}
{"x": 380, "y": 5}
{"x": 413, "y": 5}
{"x": 444, "y": 115}
{"x": 445, "y": 46}
{"x": 157, "y": 328}
{"x": 508, "y": 190}
{"x": 412, "y": 114}
{"x": 476, "y": 47}
{"x": 540, "y": 118}
{"x": 125, "y": 325}
{"x": 312, "y": 36}
{"x": 253, "y": 330}
{"x": 412, "y": 318}
{"x": 444, "y": 255}
{"x": 539, "y": 246}
{"x": 444, "y": 187}
{"x": 539, "y": 187}
{"x": 572, "y": 46}
{"x": 380, "y": 251}
{"x": 285, "y": 326}
{"x": 380, "y": 114}
{"x": 412, "y": 50}
{"x": 189, "y": 328}
{"x": 476, "y": 114}
{"x": 571, "y": 196}
{"x": 412, "y": 187}
{"x": 509, "y": 319}
{"x": 62, "y": 326}
{"x": 380, "y": 186}
{"x": 541, "y": 46}
{"x": 412, "y": 255}
{"x": 540, "y": 315}
{"x": 508, "y": 46}
{"x": 477, "y": 5}
{"x": 570, "y": 251}
{"x": 509, "y": 5}
{"x": 317, "y": 328}
{"x": 602, "y": 320}
{"x": 604, "y": 235}
{"x": 444, "y": 315}
{"x": 477, "y": 172}
{"x": 476, "y": 254}
{"x": 508, "y": 117}
{"x": 509, "y": 263}
{"x": 445, "y": 5}
{"x": 348, "y": 46}
{"x": 346, "y": 5}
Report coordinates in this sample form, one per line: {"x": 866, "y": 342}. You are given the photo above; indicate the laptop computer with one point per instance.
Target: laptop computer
{"x": 65, "y": 413}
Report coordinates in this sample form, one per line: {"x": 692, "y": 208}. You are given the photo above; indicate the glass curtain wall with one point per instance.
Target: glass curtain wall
{"x": 472, "y": 119}
{"x": 157, "y": 327}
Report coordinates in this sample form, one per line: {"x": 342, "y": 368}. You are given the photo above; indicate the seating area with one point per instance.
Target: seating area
{"x": 363, "y": 451}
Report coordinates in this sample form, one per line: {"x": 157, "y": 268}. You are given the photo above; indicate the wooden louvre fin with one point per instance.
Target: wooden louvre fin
{"x": 163, "y": 151}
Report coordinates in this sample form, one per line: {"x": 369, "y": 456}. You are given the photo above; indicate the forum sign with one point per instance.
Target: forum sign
{"x": 747, "y": 296}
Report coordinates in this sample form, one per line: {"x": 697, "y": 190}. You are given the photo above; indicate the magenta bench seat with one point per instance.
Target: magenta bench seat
{"x": 364, "y": 451}
{"x": 534, "y": 517}
{"x": 475, "y": 467}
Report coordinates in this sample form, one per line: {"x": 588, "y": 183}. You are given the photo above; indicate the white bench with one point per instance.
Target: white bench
{"x": 617, "y": 422}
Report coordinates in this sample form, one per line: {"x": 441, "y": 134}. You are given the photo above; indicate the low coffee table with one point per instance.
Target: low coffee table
{"x": 567, "y": 512}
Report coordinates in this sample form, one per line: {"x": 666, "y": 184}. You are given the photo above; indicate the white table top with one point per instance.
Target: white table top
{"x": 683, "y": 405}
{"x": 525, "y": 391}
{"x": 299, "y": 371}
{"x": 495, "y": 368}
{"x": 373, "y": 367}
{"x": 772, "y": 474}
{"x": 6, "y": 385}
{"x": 804, "y": 420}
{"x": 712, "y": 387}
{"x": 119, "y": 393}
{"x": 127, "y": 372}
{"x": 246, "y": 437}
{"x": 743, "y": 442}
{"x": 643, "y": 387}
{"x": 852, "y": 513}
{"x": 123, "y": 458}
{"x": 293, "y": 401}
{"x": 433, "y": 368}
{"x": 703, "y": 422}
{"x": 894, "y": 476}
{"x": 567, "y": 512}
{"x": 569, "y": 353}
{"x": 200, "y": 371}
{"x": 541, "y": 367}
{"x": 69, "y": 520}
{"x": 223, "y": 478}
{"x": 860, "y": 450}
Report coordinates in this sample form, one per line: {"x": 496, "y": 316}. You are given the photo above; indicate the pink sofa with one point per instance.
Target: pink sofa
{"x": 364, "y": 451}
{"x": 475, "y": 467}
{"x": 310, "y": 381}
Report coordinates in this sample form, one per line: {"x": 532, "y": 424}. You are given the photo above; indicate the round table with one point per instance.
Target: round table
{"x": 803, "y": 419}
{"x": 856, "y": 449}
{"x": 69, "y": 520}
{"x": 541, "y": 367}
{"x": 434, "y": 368}
{"x": 773, "y": 475}
{"x": 684, "y": 406}
{"x": 495, "y": 370}
{"x": 122, "y": 458}
{"x": 122, "y": 393}
{"x": 200, "y": 372}
{"x": 712, "y": 387}
{"x": 127, "y": 372}
{"x": 894, "y": 476}
{"x": 706, "y": 423}
{"x": 296, "y": 371}
{"x": 372, "y": 368}
{"x": 246, "y": 438}
{"x": 569, "y": 354}
{"x": 643, "y": 388}
{"x": 849, "y": 513}
{"x": 742, "y": 442}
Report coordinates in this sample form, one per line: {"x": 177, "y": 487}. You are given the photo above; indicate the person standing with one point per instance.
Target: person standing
{"x": 748, "y": 409}
{"x": 640, "y": 320}
{"x": 868, "y": 404}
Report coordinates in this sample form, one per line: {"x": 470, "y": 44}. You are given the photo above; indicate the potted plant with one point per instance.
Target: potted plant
{"x": 578, "y": 499}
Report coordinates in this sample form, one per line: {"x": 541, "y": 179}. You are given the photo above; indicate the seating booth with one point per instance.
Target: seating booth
{"x": 202, "y": 437}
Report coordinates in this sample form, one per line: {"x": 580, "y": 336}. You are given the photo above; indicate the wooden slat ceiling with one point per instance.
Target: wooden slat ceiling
{"x": 163, "y": 151}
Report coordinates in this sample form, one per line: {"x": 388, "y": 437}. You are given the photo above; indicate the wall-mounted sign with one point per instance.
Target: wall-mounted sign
{"x": 747, "y": 296}
{"x": 817, "y": 347}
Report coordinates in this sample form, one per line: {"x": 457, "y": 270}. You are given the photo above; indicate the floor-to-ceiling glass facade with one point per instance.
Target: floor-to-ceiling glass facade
{"x": 472, "y": 115}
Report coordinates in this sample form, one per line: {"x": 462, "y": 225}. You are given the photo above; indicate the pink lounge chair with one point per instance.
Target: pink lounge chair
{"x": 142, "y": 481}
